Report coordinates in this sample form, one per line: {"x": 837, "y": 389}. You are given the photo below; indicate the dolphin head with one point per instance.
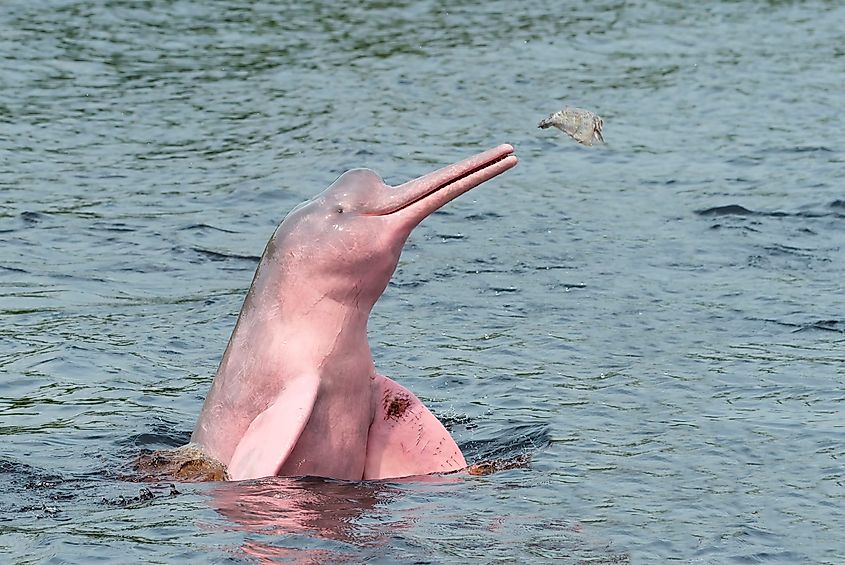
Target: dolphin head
{"x": 345, "y": 242}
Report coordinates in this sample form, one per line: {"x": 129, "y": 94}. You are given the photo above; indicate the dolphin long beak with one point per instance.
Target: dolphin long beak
{"x": 418, "y": 198}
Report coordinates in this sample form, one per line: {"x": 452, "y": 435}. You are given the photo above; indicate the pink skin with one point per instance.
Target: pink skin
{"x": 297, "y": 392}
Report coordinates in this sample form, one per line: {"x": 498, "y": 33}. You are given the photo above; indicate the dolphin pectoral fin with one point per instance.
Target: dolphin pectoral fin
{"x": 273, "y": 434}
{"x": 405, "y": 438}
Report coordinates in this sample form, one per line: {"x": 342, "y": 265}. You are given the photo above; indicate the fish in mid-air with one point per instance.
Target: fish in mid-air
{"x": 583, "y": 126}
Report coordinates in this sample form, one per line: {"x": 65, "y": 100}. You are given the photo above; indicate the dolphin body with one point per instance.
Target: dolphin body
{"x": 297, "y": 392}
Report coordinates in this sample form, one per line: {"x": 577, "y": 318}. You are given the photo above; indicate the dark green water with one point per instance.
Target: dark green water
{"x": 658, "y": 321}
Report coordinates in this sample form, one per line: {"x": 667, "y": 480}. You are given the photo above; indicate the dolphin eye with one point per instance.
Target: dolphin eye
{"x": 339, "y": 210}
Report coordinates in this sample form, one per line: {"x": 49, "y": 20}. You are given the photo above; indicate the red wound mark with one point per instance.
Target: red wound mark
{"x": 395, "y": 405}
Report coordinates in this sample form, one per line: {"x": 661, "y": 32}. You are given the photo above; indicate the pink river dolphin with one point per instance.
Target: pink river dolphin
{"x": 297, "y": 392}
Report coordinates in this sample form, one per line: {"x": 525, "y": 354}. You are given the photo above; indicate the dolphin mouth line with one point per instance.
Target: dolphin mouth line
{"x": 462, "y": 175}
{"x": 470, "y": 172}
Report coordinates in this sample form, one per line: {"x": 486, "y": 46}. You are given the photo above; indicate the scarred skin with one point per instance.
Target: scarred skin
{"x": 297, "y": 392}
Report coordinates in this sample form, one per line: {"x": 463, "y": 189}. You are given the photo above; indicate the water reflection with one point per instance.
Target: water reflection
{"x": 309, "y": 518}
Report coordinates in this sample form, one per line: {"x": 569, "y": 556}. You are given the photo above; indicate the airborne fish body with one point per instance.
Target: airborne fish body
{"x": 583, "y": 126}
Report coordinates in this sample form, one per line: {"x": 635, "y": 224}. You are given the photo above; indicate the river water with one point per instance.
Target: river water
{"x": 657, "y": 322}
